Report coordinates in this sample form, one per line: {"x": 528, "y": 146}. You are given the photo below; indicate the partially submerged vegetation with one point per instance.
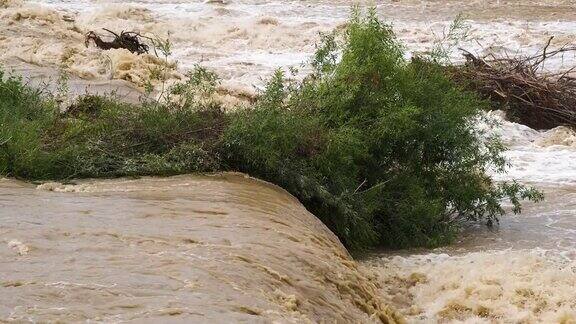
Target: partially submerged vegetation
{"x": 383, "y": 150}
{"x": 103, "y": 137}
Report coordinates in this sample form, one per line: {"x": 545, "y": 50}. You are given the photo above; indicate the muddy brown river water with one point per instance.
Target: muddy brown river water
{"x": 209, "y": 249}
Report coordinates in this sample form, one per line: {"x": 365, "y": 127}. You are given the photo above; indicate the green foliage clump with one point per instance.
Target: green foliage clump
{"x": 104, "y": 137}
{"x": 382, "y": 149}
{"x": 24, "y": 116}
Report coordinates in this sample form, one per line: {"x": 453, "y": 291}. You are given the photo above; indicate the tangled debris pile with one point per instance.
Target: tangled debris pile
{"x": 127, "y": 40}
{"x": 521, "y": 87}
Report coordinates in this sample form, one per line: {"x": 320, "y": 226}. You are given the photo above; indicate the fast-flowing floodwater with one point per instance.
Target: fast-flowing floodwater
{"x": 128, "y": 250}
{"x": 246, "y": 40}
{"x": 188, "y": 249}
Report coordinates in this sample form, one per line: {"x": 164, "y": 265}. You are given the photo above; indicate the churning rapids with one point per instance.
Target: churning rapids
{"x": 221, "y": 248}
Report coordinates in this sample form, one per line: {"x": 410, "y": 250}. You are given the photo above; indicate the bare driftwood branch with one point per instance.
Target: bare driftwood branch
{"x": 127, "y": 40}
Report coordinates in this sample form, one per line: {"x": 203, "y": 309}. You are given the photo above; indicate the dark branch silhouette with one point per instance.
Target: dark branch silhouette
{"x": 127, "y": 40}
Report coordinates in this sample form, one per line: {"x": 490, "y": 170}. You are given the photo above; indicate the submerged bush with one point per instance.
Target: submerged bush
{"x": 24, "y": 116}
{"x": 383, "y": 150}
{"x": 104, "y": 137}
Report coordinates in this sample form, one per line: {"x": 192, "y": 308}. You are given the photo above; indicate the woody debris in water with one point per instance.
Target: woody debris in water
{"x": 521, "y": 86}
{"x": 131, "y": 41}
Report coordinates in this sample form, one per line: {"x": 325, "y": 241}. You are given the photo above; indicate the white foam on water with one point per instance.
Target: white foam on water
{"x": 245, "y": 41}
{"x": 544, "y": 157}
{"x": 510, "y": 286}
{"x": 19, "y": 247}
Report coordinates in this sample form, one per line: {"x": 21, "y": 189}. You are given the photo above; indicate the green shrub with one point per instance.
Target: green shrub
{"x": 24, "y": 116}
{"x": 383, "y": 150}
{"x": 104, "y": 137}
